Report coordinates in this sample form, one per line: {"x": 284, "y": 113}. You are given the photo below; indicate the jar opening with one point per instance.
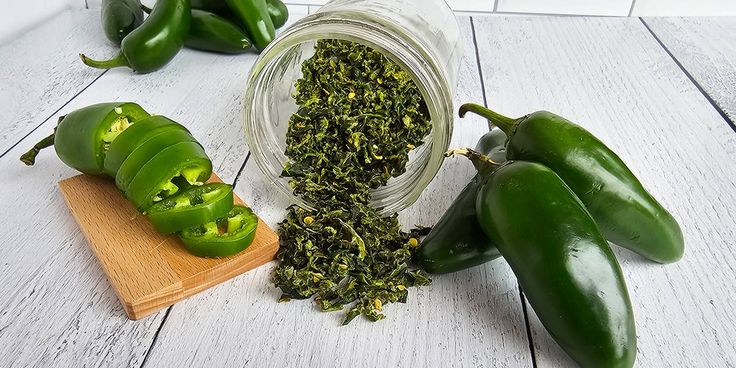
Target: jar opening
{"x": 269, "y": 103}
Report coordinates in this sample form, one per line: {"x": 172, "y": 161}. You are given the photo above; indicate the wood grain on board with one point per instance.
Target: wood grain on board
{"x": 148, "y": 270}
{"x": 612, "y": 77}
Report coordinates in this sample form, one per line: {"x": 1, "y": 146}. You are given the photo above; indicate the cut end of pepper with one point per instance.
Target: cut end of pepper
{"x": 192, "y": 175}
{"x": 117, "y": 127}
{"x": 166, "y": 191}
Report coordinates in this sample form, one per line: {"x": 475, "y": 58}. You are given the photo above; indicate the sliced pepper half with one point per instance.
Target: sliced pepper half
{"x": 185, "y": 163}
{"x": 134, "y": 137}
{"x": 193, "y": 207}
{"x": 83, "y": 136}
{"x": 224, "y": 237}
{"x": 146, "y": 152}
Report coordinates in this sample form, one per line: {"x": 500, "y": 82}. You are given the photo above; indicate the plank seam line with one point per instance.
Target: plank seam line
{"x": 52, "y": 114}
{"x": 155, "y": 336}
{"x": 691, "y": 78}
{"x": 528, "y": 326}
{"x": 495, "y": 5}
{"x": 242, "y": 167}
{"x": 168, "y": 310}
{"x": 631, "y": 9}
{"x": 480, "y": 70}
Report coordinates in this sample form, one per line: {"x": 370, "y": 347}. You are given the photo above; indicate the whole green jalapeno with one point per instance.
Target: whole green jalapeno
{"x": 254, "y": 17}
{"x": 562, "y": 261}
{"x": 278, "y": 12}
{"x": 153, "y": 44}
{"x": 627, "y": 214}
{"x": 456, "y": 241}
{"x": 211, "y": 32}
{"x": 83, "y": 136}
{"x": 120, "y": 17}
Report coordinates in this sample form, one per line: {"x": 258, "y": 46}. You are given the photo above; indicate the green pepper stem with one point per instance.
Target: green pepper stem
{"x": 29, "y": 158}
{"x": 505, "y": 123}
{"x": 115, "y": 62}
{"x": 482, "y": 163}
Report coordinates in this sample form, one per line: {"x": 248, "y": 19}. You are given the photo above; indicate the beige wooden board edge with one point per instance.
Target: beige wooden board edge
{"x": 150, "y": 271}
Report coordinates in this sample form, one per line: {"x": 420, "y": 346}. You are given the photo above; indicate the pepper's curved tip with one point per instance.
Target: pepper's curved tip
{"x": 462, "y": 111}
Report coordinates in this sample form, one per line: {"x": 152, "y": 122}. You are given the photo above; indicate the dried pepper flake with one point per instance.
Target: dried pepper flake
{"x": 359, "y": 116}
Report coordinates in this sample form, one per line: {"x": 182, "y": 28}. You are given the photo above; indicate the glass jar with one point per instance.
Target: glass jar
{"x": 421, "y": 36}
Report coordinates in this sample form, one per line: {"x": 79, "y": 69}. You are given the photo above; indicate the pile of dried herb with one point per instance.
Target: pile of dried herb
{"x": 359, "y": 116}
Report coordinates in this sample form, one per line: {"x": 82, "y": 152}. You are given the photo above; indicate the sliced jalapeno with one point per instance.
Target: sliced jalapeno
{"x": 193, "y": 207}
{"x": 185, "y": 162}
{"x": 146, "y": 152}
{"x": 138, "y": 134}
{"x": 224, "y": 237}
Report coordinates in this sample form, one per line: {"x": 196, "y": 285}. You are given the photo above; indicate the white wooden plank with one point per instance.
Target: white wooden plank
{"x": 471, "y": 318}
{"x": 57, "y": 306}
{"x": 576, "y": 7}
{"x": 41, "y": 71}
{"x": 610, "y": 76}
{"x": 706, "y": 48}
{"x": 668, "y": 8}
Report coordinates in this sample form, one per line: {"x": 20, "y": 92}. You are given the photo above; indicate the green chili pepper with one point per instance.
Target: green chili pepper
{"x": 83, "y": 136}
{"x": 278, "y": 12}
{"x": 628, "y": 215}
{"x": 138, "y": 134}
{"x": 254, "y": 17}
{"x": 153, "y": 44}
{"x": 457, "y": 242}
{"x": 184, "y": 162}
{"x": 211, "y": 32}
{"x": 145, "y": 152}
{"x": 193, "y": 207}
{"x": 213, "y": 6}
{"x": 562, "y": 261}
{"x": 120, "y": 17}
{"x": 224, "y": 237}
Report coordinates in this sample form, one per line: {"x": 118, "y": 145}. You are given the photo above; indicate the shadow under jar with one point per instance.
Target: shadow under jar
{"x": 422, "y": 37}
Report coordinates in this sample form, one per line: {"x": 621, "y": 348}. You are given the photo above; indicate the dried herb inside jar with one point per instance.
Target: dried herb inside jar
{"x": 359, "y": 117}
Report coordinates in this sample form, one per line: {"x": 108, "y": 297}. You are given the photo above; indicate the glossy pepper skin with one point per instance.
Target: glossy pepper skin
{"x": 456, "y": 241}
{"x": 209, "y": 240}
{"x": 627, "y": 214}
{"x": 253, "y": 16}
{"x": 82, "y": 137}
{"x": 211, "y": 32}
{"x": 175, "y": 167}
{"x": 145, "y": 152}
{"x": 278, "y": 12}
{"x": 139, "y": 133}
{"x": 120, "y": 17}
{"x": 193, "y": 207}
{"x": 153, "y": 44}
{"x": 562, "y": 261}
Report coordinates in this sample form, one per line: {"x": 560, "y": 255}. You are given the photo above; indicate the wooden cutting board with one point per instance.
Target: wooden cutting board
{"x": 150, "y": 271}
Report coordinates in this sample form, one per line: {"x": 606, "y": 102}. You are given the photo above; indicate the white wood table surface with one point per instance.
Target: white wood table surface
{"x": 660, "y": 92}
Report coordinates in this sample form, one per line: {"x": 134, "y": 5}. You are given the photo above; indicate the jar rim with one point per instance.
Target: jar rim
{"x": 397, "y": 45}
